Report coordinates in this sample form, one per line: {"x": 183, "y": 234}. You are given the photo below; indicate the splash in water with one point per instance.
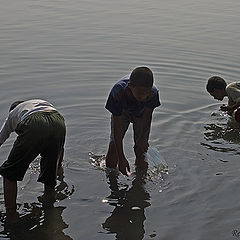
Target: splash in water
{"x": 157, "y": 164}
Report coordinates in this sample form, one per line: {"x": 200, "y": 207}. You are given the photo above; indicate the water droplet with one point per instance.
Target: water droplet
{"x": 136, "y": 208}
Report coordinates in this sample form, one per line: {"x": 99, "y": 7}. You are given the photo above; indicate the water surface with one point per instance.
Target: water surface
{"x": 71, "y": 53}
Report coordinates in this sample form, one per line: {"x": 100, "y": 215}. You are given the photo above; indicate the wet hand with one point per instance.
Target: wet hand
{"x": 124, "y": 167}
{"x": 226, "y": 108}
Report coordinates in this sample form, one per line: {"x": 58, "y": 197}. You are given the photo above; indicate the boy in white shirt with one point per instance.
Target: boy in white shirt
{"x": 218, "y": 88}
{"x": 41, "y": 130}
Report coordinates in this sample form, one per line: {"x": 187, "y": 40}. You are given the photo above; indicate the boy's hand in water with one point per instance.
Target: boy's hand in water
{"x": 123, "y": 166}
{"x": 226, "y": 108}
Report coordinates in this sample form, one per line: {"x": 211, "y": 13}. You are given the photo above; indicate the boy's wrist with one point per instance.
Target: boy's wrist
{"x": 233, "y": 107}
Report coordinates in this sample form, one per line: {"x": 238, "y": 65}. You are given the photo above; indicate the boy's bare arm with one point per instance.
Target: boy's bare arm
{"x": 123, "y": 164}
{"x": 230, "y": 108}
{"x": 147, "y": 119}
{"x": 142, "y": 142}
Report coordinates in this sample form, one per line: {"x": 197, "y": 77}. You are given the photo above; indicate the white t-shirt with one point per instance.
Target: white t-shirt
{"x": 233, "y": 92}
{"x": 20, "y": 112}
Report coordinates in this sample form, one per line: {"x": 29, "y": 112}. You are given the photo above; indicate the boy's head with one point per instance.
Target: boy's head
{"x": 13, "y": 105}
{"x": 141, "y": 82}
{"x": 216, "y": 86}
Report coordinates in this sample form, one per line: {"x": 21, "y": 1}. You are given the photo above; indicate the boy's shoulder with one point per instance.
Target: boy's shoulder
{"x": 233, "y": 85}
{"x": 155, "y": 89}
{"x": 120, "y": 85}
{"x": 123, "y": 82}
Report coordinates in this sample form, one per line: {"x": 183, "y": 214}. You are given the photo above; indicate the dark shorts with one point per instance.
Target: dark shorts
{"x": 137, "y": 126}
{"x": 41, "y": 133}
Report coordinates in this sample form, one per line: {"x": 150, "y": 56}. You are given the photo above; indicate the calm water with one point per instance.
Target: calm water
{"x": 71, "y": 53}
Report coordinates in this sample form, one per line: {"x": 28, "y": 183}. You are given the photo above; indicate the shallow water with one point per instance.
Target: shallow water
{"x": 71, "y": 53}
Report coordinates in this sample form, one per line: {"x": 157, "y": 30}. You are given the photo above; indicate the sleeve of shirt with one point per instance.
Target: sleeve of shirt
{"x": 154, "y": 101}
{"x": 233, "y": 94}
{"x": 114, "y": 104}
{"x": 6, "y": 130}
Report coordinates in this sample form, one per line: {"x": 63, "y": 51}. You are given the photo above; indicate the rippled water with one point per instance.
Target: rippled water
{"x": 71, "y": 53}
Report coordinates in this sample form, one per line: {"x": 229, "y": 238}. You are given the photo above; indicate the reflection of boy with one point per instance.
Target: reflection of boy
{"x": 218, "y": 88}
{"x": 124, "y": 210}
{"x": 41, "y": 130}
{"x": 131, "y": 100}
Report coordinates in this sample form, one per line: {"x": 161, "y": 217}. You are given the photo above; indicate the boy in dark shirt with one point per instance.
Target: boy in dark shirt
{"x": 131, "y": 100}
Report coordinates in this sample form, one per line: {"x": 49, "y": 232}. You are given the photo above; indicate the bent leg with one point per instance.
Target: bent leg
{"x": 52, "y": 149}
{"x": 15, "y": 167}
{"x": 49, "y": 166}
{"x": 10, "y": 194}
{"x": 60, "y": 159}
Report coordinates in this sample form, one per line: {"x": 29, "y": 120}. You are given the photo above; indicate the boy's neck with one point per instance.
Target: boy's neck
{"x": 225, "y": 93}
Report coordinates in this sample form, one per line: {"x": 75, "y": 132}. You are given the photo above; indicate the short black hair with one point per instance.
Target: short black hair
{"x": 215, "y": 82}
{"x": 141, "y": 76}
{"x": 13, "y": 105}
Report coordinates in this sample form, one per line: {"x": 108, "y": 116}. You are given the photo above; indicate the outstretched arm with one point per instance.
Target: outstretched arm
{"x": 123, "y": 164}
{"x": 230, "y": 108}
{"x": 8, "y": 127}
{"x": 142, "y": 145}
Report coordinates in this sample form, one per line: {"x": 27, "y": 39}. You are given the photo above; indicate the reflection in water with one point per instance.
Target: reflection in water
{"x": 40, "y": 220}
{"x": 41, "y": 223}
{"x": 222, "y": 134}
{"x": 127, "y": 219}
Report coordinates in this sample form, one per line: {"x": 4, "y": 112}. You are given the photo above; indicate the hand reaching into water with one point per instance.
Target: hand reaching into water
{"x": 227, "y": 108}
{"x": 123, "y": 166}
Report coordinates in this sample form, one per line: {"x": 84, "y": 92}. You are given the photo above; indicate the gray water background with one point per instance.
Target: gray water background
{"x": 71, "y": 53}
